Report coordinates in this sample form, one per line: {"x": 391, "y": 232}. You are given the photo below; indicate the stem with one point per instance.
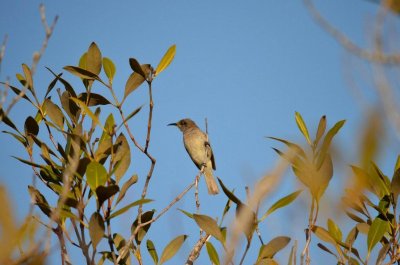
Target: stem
{"x": 64, "y": 254}
{"x": 194, "y": 254}
{"x": 245, "y": 252}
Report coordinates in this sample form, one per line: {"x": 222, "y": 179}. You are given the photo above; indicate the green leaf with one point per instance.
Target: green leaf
{"x": 67, "y": 86}
{"x": 302, "y": 126}
{"x": 395, "y": 184}
{"x": 209, "y": 225}
{"x": 274, "y": 246}
{"x": 152, "y": 251}
{"x": 96, "y": 229}
{"x": 109, "y": 68}
{"x": 28, "y": 77}
{"x": 93, "y": 59}
{"x": 96, "y": 175}
{"x": 103, "y": 193}
{"x": 122, "y": 157}
{"x": 135, "y": 65}
{"x": 172, "y": 248}
{"x": 125, "y": 187}
{"x": 82, "y": 61}
{"x": 321, "y": 130}
{"x": 127, "y": 207}
{"x": 133, "y": 113}
{"x": 17, "y": 137}
{"x": 334, "y": 230}
{"x": 28, "y": 162}
{"x": 31, "y": 127}
{"x": 94, "y": 100}
{"x": 166, "y": 60}
{"x": 376, "y": 232}
{"x": 212, "y": 253}
{"x": 54, "y": 112}
{"x": 86, "y": 110}
{"x": 133, "y": 82}
{"x": 281, "y": 203}
{"x": 82, "y": 73}
{"x": 186, "y": 213}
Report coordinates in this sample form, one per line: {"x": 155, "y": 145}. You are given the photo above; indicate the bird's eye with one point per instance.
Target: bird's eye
{"x": 183, "y": 122}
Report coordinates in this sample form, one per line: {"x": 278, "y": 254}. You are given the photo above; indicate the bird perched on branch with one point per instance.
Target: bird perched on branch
{"x": 199, "y": 150}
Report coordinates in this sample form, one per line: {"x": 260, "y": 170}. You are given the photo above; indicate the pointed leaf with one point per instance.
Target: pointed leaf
{"x": 321, "y": 130}
{"x": 212, "y": 253}
{"x": 323, "y": 234}
{"x": 152, "y": 251}
{"x": 376, "y": 231}
{"x": 6, "y": 120}
{"x": 122, "y": 157}
{"x": 209, "y": 225}
{"x": 133, "y": 82}
{"x": 334, "y": 230}
{"x": 82, "y": 73}
{"x": 302, "y": 126}
{"x": 228, "y": 193}
{"x": 85, "y": 109}
{"x": 281, "y": 203}
{"x": 146, "y": 217}
{"x": 172, "y": 248}
{"x": 93, "y": 59}
{"x": 291, "y": 145}
{"x": 94, "y": 100}
{"x": 109, "y": 68}
{"x": 54, "y": 112}
{"x": 329, "y": 136}
{"x": 16, "y": 91}
{"x": 127, "y": 207}
{"x": 28, "y": 77}
{"x": 135, "y": 65}
{"x": 38, "y": 199}
{"x": 133, "y": 113}
{"x": 186, "y": 213}
{"x": 96, "y": 228}
{"x": 96, "y": 175}
{"x": 274, "y": 246}
{"x": 166, "y": 60}
{"x": 125, "y": 187}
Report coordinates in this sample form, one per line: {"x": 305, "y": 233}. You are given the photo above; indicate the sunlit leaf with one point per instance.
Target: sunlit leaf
{"x": 54, "y": 112}
{"x": 85, "y": 109}
{"x": 376, "y": 232}
{"x": 152, "y": 251}
{"x": 212, "y": 253}
{"x": 321, "y": 130}
{"x": 186, "y": 213}
{"x": 96, "y": 228}
{"x": 109, "y": 68}
{"x": 334, "y": 230}
{"x": 133, "y": 82}
{"x": 166, "y": 60}
{"x": 127, "y": 207}
{"x": 274, "y": 246}
{"x": 93, "y": 59}
{"x": 209, "y": 225}
{"x": 122, "y": 157}
{"x": 281, "y": 203}
{"x": 96, "y": 175}
{"x": 296, "y": 148}
{"x": 28, "y": 77}
{"x": 302, "y": 127}
{"x": 323, "y": 234}
{"x": 172, "y": 248}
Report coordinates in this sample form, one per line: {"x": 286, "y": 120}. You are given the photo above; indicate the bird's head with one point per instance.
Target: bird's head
{"x": 184, "y": 124}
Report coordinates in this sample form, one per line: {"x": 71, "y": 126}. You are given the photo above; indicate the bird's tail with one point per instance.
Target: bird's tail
{"x": 210, "y": 180}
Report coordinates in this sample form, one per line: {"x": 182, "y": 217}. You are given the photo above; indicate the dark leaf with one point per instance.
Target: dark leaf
{"x": 94, "y": 100}
{"x": 6, "y": 120}
{"x": 16, "y": 91}
{"x": 31, "y": 127}
{"x": 229, "y": 194}
{"x": 82, "y": 73}
{"x": 127, "y": 207}
{"x": 104, "y": 193}
{"x": 38, "y": 199}
{"x": 147, "y": 216}
{"x": 136, "y": 67}
{"x": 152, "y": 251}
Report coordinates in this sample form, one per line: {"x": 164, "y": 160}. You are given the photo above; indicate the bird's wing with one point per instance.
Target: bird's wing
{"x": 210, "y": 154}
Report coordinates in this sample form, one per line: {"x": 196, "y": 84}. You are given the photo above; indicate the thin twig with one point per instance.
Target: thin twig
{"x": 349, "y": 45}
{"x": 3, "y": 49}
{"x": 194, "y": 254}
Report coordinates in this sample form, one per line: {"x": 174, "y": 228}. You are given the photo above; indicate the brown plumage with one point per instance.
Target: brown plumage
{"x": 199, "y": 150}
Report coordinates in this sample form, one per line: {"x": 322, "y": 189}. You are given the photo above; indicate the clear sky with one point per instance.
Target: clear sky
{"x": 245, "y": 65}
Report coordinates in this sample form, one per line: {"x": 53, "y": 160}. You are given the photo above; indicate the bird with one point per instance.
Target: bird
{"x": 199, "y": 149}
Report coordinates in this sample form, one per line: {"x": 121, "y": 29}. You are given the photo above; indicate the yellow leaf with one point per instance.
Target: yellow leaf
{"x": 166, "y": 60}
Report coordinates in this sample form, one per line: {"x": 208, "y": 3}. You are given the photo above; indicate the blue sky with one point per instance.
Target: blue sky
{"x": 245, "y": 65}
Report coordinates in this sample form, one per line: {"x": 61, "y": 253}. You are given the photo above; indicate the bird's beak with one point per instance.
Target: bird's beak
{"x": 173, "y": 124}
